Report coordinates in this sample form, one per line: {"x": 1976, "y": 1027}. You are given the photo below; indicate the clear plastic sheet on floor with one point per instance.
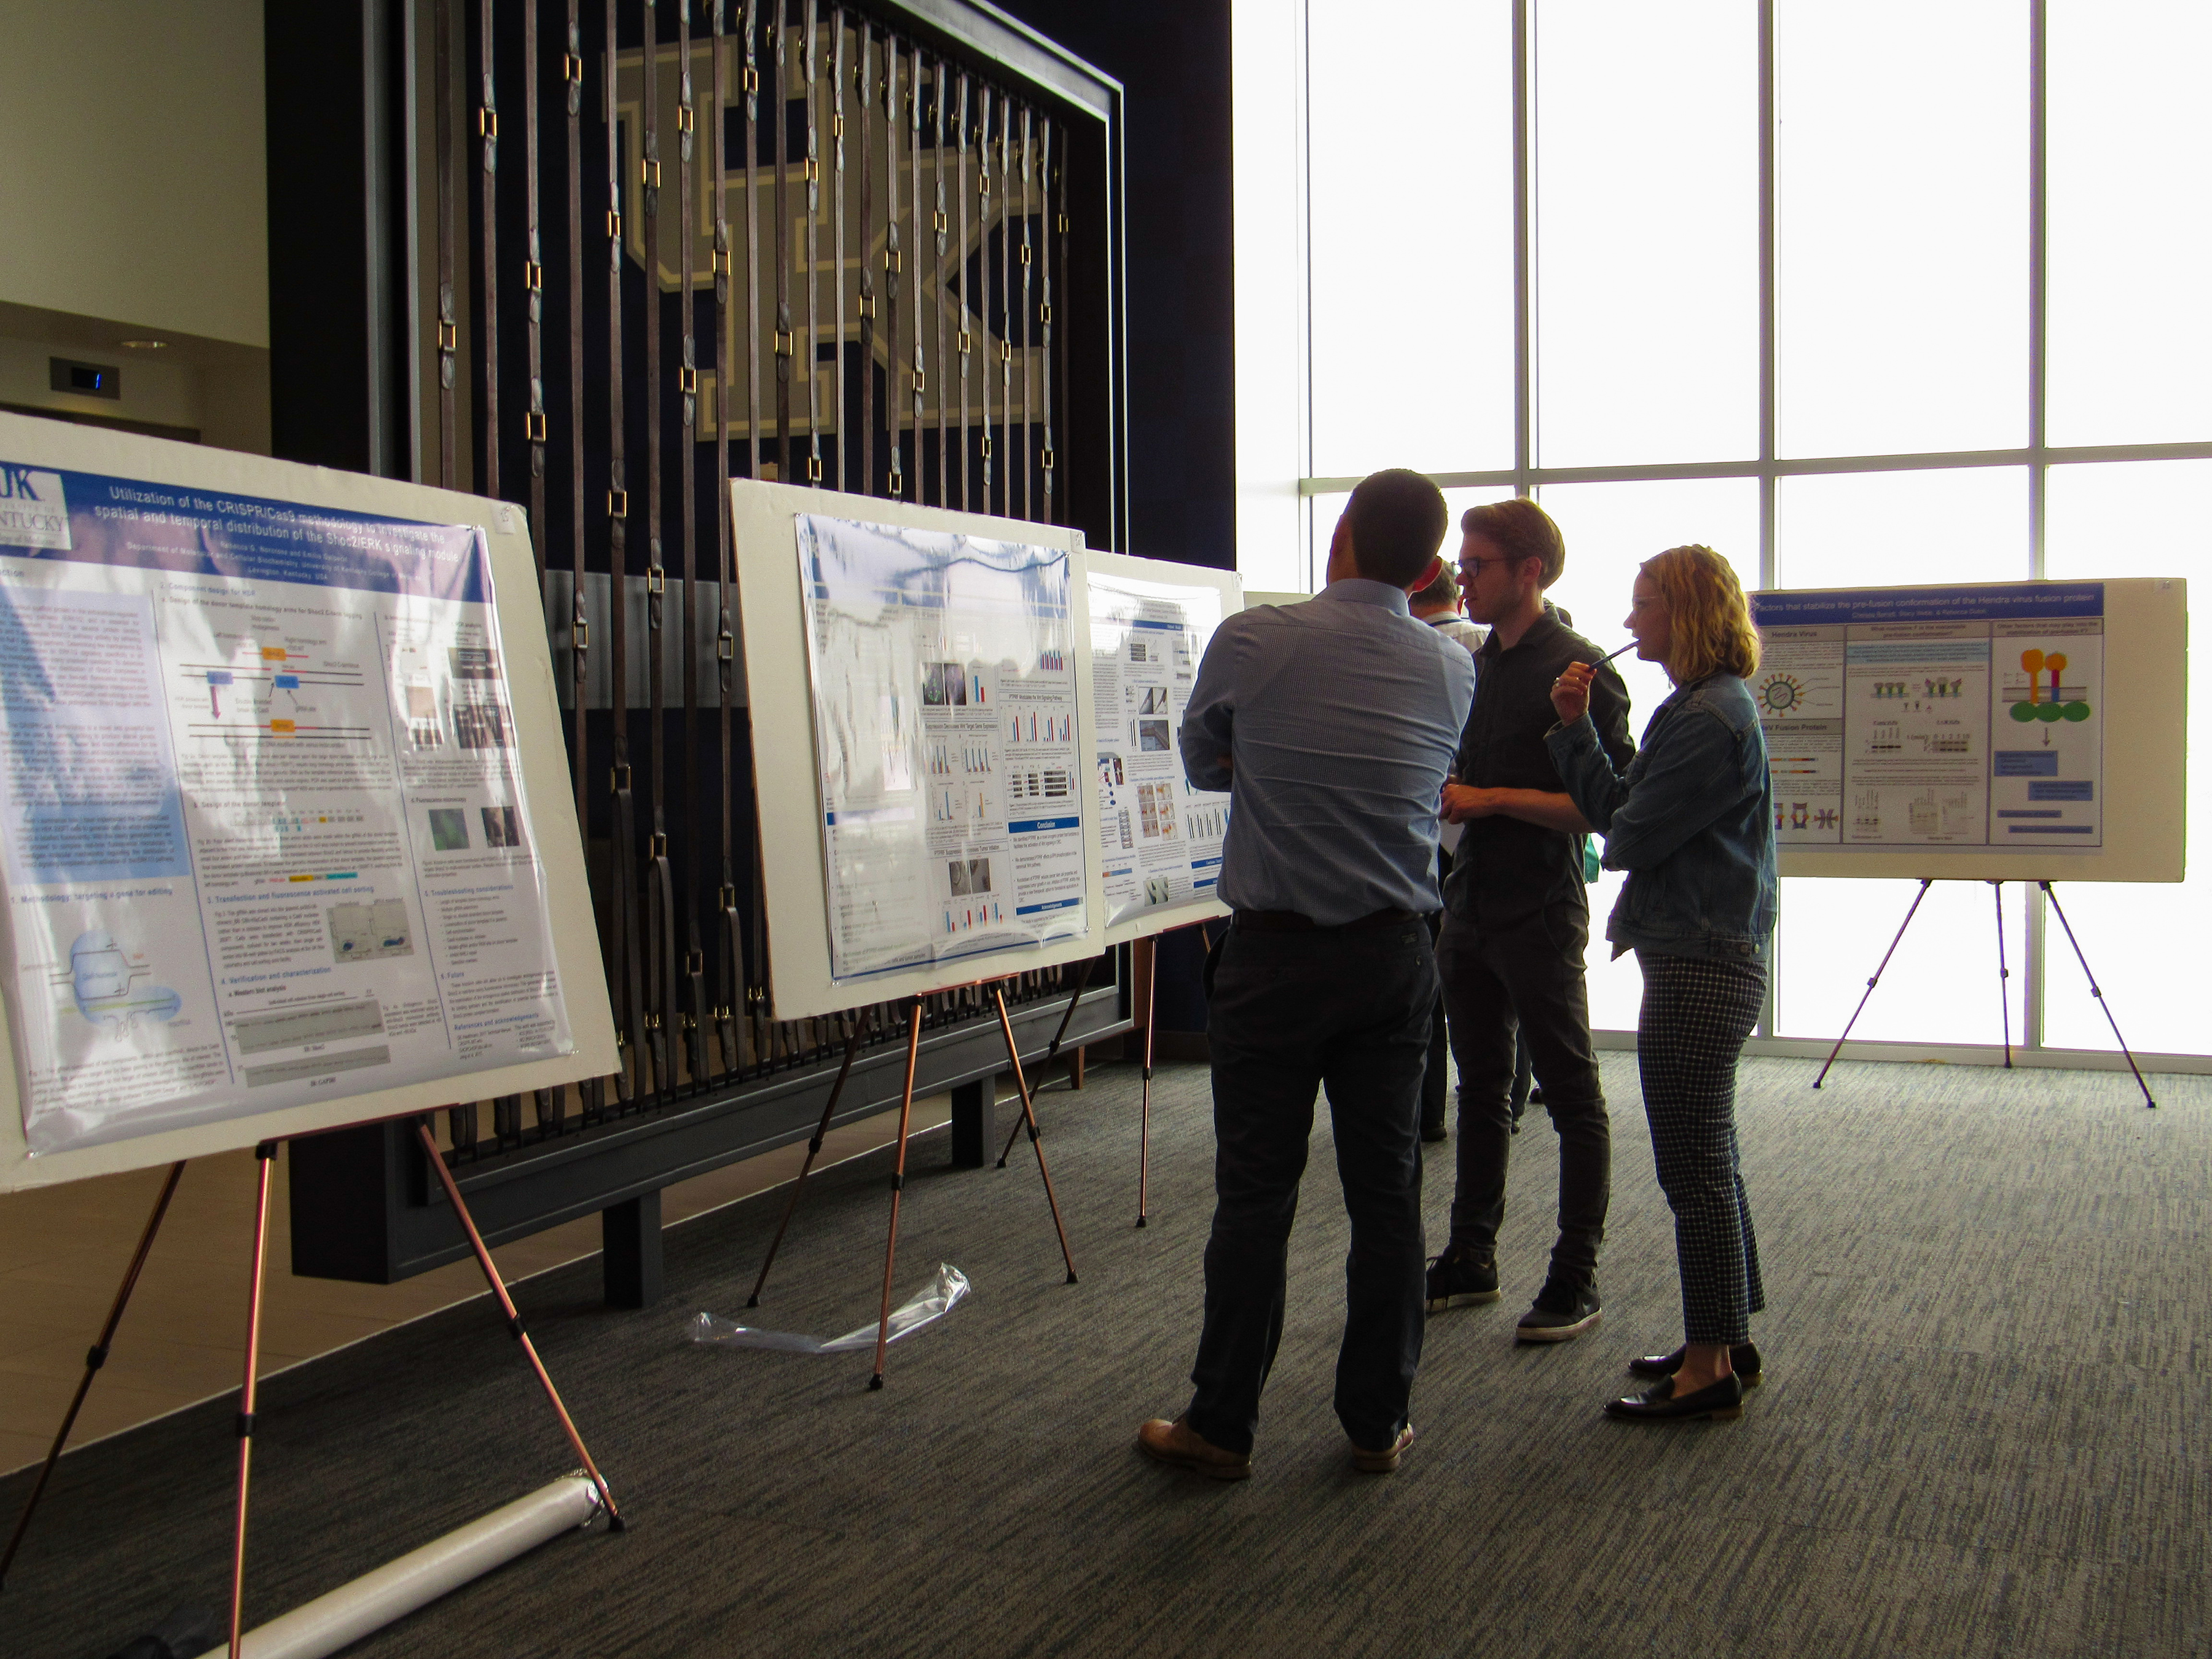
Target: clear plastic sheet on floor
{"x": 925, "y": 1306}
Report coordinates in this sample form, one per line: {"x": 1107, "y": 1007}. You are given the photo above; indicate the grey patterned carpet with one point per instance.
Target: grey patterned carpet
{"x": 1982, "y": 1430}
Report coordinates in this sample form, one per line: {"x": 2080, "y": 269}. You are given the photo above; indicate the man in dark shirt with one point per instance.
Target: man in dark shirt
{"x": 1516, "y": 921}
{"x": 1334, "y": 724}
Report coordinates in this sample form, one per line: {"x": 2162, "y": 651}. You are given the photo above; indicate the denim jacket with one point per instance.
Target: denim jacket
{"x": 1691, "y": 821}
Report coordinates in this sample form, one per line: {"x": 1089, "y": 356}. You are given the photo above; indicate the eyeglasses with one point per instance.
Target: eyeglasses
{"x": 1476, "y": 565}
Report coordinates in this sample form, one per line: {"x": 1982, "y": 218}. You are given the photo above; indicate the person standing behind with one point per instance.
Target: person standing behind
{"x": 1516, "y": 921}
{"x": 1693, "y": 822}
{"x": 1332, "y": 723}
{"x": 1437, "y": 604}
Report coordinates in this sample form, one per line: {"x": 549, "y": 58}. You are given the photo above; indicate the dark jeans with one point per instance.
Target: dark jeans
{"x": 1526, "y": 982}
{"x": 1436, "y": 1080}
{"x": 1346, "y": 1009}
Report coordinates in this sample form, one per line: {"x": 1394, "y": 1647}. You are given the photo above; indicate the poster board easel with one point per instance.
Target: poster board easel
{"x": 182, "y": 472}
{"x": 787, "y": 734}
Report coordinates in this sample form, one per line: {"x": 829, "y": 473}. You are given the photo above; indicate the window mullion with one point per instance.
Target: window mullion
{"x": 1524, "y": 250}
{"x": 2039, "y": 458}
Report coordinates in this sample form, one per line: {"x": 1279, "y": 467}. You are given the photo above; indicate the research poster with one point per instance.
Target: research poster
{"x": 1968, "y": 717}
{"x": 266, "y": 840}
{"x": 1159, "y": 840}
{"x": 947, "y": 742}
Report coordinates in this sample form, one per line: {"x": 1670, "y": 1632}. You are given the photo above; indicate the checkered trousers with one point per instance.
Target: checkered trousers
{"x": 1696, "y": 1015}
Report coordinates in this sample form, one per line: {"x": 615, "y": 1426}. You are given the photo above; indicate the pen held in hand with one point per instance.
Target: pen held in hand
{"x": 1610, "y": 655}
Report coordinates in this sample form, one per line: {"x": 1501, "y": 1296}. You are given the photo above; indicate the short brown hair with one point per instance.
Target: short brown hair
{"x": 1521, "y": 530}
{"x": 1709, "y": 630}
{"x": 1398, "y": 519}
{"x": 1443, "y": 590}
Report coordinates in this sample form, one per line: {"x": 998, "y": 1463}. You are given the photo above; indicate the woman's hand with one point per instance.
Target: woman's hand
{"x": 1570, "y": 692}
{"x": 1462, "y": 802}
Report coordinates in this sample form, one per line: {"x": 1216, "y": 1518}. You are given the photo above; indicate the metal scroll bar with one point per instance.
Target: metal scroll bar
{"x": 589, "y": 1093}
{"x": 983, "y": 266}
{"x": 659, "y": 894}
{"x": 1028, "y": 401}
{"x": 694, "y": 1012}
{"x": 893, "y": 262}
{"x": 965, "y": 338}
{"x": 622, "y": 966}
{"x": 941, "y": 225}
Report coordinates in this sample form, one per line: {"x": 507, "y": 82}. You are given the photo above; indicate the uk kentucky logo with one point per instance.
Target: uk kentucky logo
{"x": 33, "y": 508}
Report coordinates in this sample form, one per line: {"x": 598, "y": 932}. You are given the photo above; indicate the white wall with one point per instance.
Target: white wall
{"x": 134, "y": 184}
{"x": 1267, "y": 69}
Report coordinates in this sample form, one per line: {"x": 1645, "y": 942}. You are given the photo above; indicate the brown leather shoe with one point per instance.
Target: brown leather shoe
{"x": 1386, "y": 1462}
{"x": 1182, "y": 1446}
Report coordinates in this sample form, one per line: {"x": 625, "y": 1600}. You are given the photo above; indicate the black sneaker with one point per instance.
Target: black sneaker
{"x": 1457, "y": 1280}
{"x": 1561, "y": 1311}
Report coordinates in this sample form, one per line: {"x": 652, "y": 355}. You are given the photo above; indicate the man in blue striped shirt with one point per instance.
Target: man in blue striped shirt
{"x": 1334, "y": 724}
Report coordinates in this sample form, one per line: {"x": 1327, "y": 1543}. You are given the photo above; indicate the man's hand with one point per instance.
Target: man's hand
{"x": 1462, "y": 802}
{"x": 1570, "y": 692}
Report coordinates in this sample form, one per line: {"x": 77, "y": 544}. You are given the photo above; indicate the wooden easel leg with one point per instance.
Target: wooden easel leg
{"x": 1925, "y": 881}
{"x": 94, "y": 1360}
{"x": 813, "y": 1151}
{"x": 513, "y": 1319}
{"x": 1029, "y": 1122}
{"x": 265, "y": 1156}
{"x": 1150, "y": 946}
{"x": 898, "y": 1186}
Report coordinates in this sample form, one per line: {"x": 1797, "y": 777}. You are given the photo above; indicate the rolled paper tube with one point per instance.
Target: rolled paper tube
{"x": 392, "y": 1591}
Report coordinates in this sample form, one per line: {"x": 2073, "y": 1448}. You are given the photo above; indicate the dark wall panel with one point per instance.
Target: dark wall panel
{"x": 1172, "y": 59}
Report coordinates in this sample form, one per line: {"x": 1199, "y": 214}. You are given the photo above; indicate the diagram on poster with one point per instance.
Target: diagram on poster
{"x": 946, "y": 743}
{"x": 1159, "y": 840}
{"x": 1935, "y": 717}
{"x": 238, "y": 733}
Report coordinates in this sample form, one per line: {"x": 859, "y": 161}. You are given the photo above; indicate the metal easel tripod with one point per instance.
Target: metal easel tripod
{"x": 898, "y": 1172}
{"x": 2004, "y": 974}
{"x": 266, "y": 1158}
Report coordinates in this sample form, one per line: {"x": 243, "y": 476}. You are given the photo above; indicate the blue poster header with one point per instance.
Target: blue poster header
{"x": 95, "y": 520}
{"x": 1987, "y": 602}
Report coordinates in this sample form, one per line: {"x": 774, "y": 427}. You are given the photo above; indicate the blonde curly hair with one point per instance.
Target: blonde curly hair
{"x": 1709, "y": 623}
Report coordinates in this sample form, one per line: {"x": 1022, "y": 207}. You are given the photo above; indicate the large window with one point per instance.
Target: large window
{"x": 1857, "y": 295}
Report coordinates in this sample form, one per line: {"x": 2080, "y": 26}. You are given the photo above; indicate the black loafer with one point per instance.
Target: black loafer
{"x": 1723, "y": 1402}
{"x": 1743, "y": 1359}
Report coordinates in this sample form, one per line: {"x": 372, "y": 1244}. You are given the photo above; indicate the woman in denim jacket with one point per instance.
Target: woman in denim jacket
{"x": 1693, "y": 822}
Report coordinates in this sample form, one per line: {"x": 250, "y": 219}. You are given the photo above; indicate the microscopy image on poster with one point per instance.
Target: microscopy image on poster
{"x": 245, "y": 743}
{"x": 945, "y": 723}
{"x": 1935, "y": 717}
{"x": 1160, "y": 840}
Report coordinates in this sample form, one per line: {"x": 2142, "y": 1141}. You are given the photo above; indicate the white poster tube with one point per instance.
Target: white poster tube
{"x": 373, "y": 1601}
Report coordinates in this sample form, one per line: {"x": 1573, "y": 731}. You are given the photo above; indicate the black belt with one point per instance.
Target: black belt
{"x": 1290, "y": 921}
